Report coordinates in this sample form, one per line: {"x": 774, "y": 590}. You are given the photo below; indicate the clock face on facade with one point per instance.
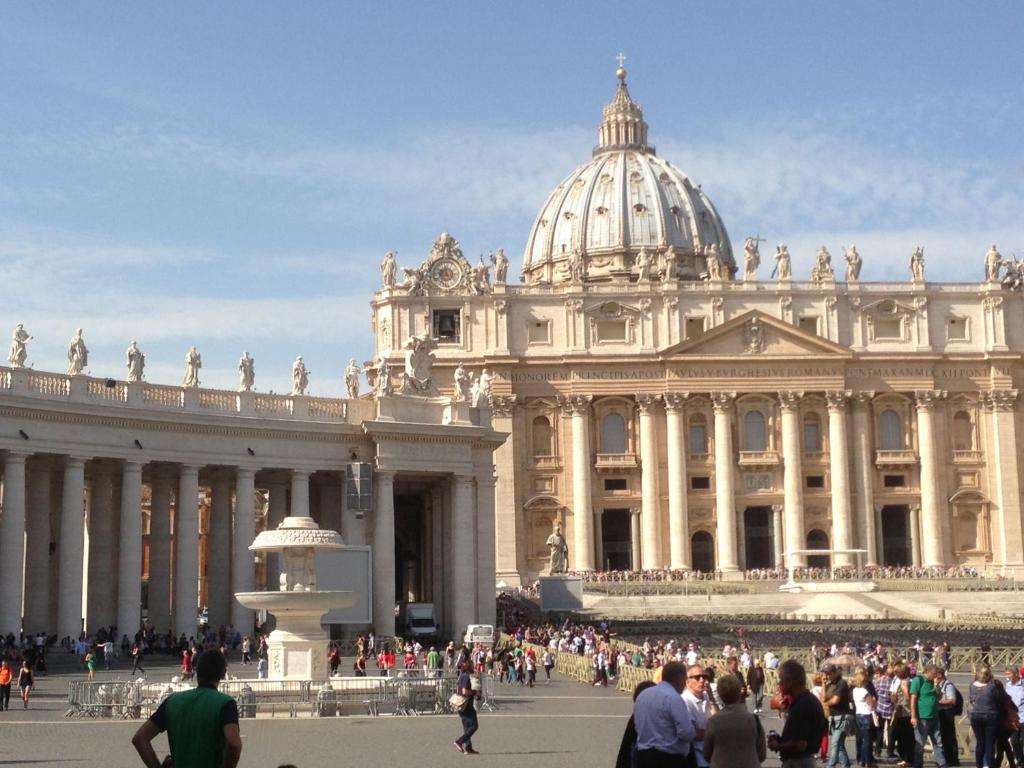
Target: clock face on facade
{"x": 446, "y": 273}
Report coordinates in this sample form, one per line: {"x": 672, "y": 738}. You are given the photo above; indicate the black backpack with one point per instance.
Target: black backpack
{"x": 958, "y": 707}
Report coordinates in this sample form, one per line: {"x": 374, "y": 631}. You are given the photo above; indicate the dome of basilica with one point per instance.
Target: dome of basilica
{"x": 623, "y": 201}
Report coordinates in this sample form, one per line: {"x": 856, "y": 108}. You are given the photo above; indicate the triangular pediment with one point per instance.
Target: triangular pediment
{"x": 755, "y": 334}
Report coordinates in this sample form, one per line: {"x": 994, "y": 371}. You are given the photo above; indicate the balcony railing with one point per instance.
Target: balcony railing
{"x": 899, "y": 458}
{"x": 547, "y": 462}
{"x": 606, "y": 461}
{"x": 968, "y": 457}
{"x": 759, "y": 458}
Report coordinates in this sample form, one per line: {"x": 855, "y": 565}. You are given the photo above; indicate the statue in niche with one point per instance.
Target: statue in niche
{"x": 481, "y": 283}
{"x": 382, "y": 386}
{"x": 463, "y": 384}
{"x": 714, "y": 263}
{"x": 136, "y": 362}
{"x": 751, "y": 259}
{"x": 753, "y": 337}
{"x": 388, "y": 268}
{"x": 783, "y": 265}
{"x": 193, "y": 362}
{"x": 246, "y": 373}
{"x": 822, "y": 270}
{"x": 19, "y": 351}
{"x": 917, "y": 265}
{"x": 500, "y": 262}
{"x": 78, "y": 354}
{"x": 993, "y": 261}
{"x": 644, "y": 264}
{"x": 416, "y": 378}
{"x": 300, "y": 377}
{"x": 559, "y": 549}
{"x": 352, "y": 372}
{"x": 853, "y": 264}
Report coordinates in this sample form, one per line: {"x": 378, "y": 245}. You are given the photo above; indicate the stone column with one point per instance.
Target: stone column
{"x": 277, "y": 510}
{"x": 725, "y": 495}
{"x": 72, "y": 549}
{"x": 99, "y": 610}
{"x": 37, "y": 548}
{"x": 464, "y": 572}
{"x": 914, "y": 523}
{"x": 12, "y": 544}
{"x": 933, "y": 506}
{"x": 839, "y": 467}
{"x": 864, "y": 476}
{"x": 485, "y": 546}
{"x": 186, "y": 552}
{"x": 650, "y": 515}
{"x": 879, "y": 540}
{"x": 678, "y": 508}
{"x": 300, "y": 494}
{"x": 510, "y": 536}
{"x": 218, "y": 551}
{"x": 129, "y": 562}
{"x": 243, "y": 563}
{"x": 599, "y": 539}
{"x": 578, "y": 406}
{"x": 159, "y": 601}
{"x": 1005, "y": 455}
{"x": 634, "y": 539}
{"x": 384, "y": 554}
{"x": 779, "y": 561}
{"x": 792, "y": 478}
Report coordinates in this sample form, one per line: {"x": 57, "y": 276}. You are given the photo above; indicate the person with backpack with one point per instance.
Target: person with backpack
{"x": 951, "y": 706}
{"x": 924, "y": 700}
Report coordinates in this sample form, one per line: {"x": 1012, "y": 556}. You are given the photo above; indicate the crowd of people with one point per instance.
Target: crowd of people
{"x": 781, "y": 574}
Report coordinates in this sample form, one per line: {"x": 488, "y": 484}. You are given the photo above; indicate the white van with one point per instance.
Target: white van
{"x": 479, "y": 633}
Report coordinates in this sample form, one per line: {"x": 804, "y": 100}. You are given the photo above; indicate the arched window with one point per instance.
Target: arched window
{"x": 890, "y": 429}
{"x": 755, "y": 432}
{"x": 818, "y": 539}
{"x": 812, "y": 433}
{"x": 702, "y": 547}
{"x": 963, "y": 432}
{"x": 698, "y": 434}
{"x": 613, "y": 434}
{"x": 542, "y": 436}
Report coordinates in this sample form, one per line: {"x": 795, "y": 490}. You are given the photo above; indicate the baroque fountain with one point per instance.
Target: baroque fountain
{"x": 298, "y": 646}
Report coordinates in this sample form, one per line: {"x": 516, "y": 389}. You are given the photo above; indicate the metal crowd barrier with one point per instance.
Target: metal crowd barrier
{"x": 109, "y": 698}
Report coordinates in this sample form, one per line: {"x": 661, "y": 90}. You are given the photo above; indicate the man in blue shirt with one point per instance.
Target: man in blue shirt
{"x": 664, "y": 729}
{"x": 1015, "y": 690}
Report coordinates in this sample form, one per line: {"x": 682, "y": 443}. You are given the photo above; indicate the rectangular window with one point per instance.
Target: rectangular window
{"x": 894, "y": 481}
{"x": 956, "y": 329}
{"x": 698, "y": 439}
{"x": 700, "y": 483}
{"x": 809, "y": 324}
{"x": 888, "y": 328}
{"x": 611, "y": 330}
{"x": 616, "y": 484}
{"x": 815, "y": 481}
{"x": 694, "y": 327}
{"x": 540, "y": 332}
{"x": 447, "y": 326}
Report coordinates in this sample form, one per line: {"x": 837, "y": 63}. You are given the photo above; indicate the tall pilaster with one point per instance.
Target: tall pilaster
{"x": 12, "y": 544}
{"x": 37, "y": 548}
{"x": 678, "y": 508}
{"x": 932, "y": 504}
{"x": 485, "y": 544}
{"x": 159, "y": 592}
{"x": 578, "y": 406}
{"x": 300, "y": 494}
{"x": 129, "y": 563}
{"x": 1007, "y": 487}
{"x": 778, "y": 559}
{"x": 839, "y": 467}
{"x": 634, "y": 539}
{"x": 186, "y": 552}
{"x": 99, "y": 610}
{"x": 384, "y": 554}
{"x": 914, "y": 524}
{"x": 464, "y": 572}
{"x": 72, "y": 549}
{"x": 218, "y": 551}
{"x": 650, "y": 514}
{"x": 792, "y": 478}
{"x": 509, "y": 523}
{"x": 864, "y": 476}
{"x": 725, "y": 501}
{"x": 243, "y": 564}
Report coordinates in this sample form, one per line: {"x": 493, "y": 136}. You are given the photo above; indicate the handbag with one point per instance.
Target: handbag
{"x": 458, "y": 702}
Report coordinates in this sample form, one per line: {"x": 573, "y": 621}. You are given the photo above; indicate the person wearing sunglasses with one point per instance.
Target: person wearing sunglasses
{"x": 701, "y": 706}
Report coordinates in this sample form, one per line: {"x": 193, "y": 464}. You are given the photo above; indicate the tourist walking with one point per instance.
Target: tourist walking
{"x": 549, "y": 664}
{"x": 755, "y": 683}
{"x": 863, "y": 711}
{"x": 836, "y": 699}
{"x": 137, "y": 659}
{"x": 201, "y": 723}
{"x": 467, "y": 713}
{"x": 90, "y": 664}
{"x": 5, "y": 685}
{"x": 805, "y": 724}
{"x": 924, "y": 706}
{"x": 951, "y": 706}
{"x": 664, "y": 731}
{"x": 902, "y": 730}
{"x": 246, "y": 650}
{"x": 734, "y": 737}
{"x": 883, "y": 712}
{"x": 985, "y": 717}
{"x": 1014, "y": 687}
{"x": 25, "y": 681}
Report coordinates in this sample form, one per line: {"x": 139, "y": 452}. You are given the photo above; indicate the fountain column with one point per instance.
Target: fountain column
{"x": 384, "y": 554}
{"x": 300, "y": 494}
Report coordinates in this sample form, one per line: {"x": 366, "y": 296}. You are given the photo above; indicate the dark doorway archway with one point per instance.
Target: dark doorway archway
{"x": 818, "y": 539}
{"x": 702, "y": 547}
{"x": 616, "y": 537}
{"x": 757, "y": 533}
{"x": 896, "y": 541}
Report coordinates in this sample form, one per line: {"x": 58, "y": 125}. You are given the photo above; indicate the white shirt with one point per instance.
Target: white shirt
{"x": 860, "y": 702}
{"x": 691, "y": 657}
{"x": 698, "y": 709}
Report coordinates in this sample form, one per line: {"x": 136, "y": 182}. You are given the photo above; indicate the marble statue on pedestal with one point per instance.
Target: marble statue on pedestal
{"x": 19, "y": 352}
{"x": 643, "y": 266}
{"x": 751, "y": 259}
{"x": 352, "y": 372}
{"x": 78, "y": 354}
{"x": 193, "y": 362}
{"x": 136, "y": 362}
{"x": 559, "y": 548}
{"x": 853, "y": 264}
{"x": 388, "y": 268}
{"x": 671, "y": 264}
{"x": 714, "y": 264}
{"x": 917, "y": 265}
{"x": 246, "y": 373}
{"x": 463, "y": 384}
{"x": 413, "y": 281}
{"x": 481, "y": 283}
{"x": 500, "y": 262}
{"x": 822, "y": 270}
{"x": 382, "y": 386}
{"x": 300, "y": 377}
{"x": 783, "y": 266}
{"x": 419, "y": 360}
{"x": 576, "y": 273}
{"x": 993, "y": 261}
{"x": 480, "y": 397}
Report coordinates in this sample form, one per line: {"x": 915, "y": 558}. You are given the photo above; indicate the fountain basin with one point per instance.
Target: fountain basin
{"x": 279, "y": 603}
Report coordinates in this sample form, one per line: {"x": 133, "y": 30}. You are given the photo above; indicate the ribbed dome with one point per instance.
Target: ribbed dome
{"x": 623, "y": 200}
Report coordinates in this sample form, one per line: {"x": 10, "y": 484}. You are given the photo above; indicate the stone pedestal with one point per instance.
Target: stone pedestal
{"x": 561, "y": 592}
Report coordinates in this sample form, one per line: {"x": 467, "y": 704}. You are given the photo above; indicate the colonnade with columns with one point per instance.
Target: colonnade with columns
{"x": 853, "y": 491}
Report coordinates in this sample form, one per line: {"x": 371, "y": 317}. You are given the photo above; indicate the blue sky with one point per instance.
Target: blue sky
{"x": 229, "y": 175}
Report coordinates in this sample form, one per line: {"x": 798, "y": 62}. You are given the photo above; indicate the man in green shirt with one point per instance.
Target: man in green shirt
{"x": 924, "y": 716}
{"x": 201, "y": 723}
{"x": 434, "y": 662}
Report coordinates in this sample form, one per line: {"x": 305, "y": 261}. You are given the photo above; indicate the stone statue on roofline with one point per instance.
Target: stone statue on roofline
{"x": 388, "y": 269}
{"x": 78, "y": 354}
{"x": 853, "y": 264}
{"x": 480, "y": 397}
{"x": 500, "y": 262}
{"x": 481, "y": 282}
{"x": 300, "y": 377}
{"x": 751, "y": 259}
{"x": 193, "y": 362}
{"x": 714, "y": 263}
{"x": 419, "y": 360}
{"x": 783, "y": 264}
{"x": 822, "y": 270}
{"x": 382, "y": 385}
{"x": 136, "y": 362}
{"x": 463, "y": 380}
{"x": 352, "y": 372}
{"x": 993, "y": 261}
{"x": 246, "y": 373}
{"x": 917, "y": 265}
{"x": 19, "y": 352}
{"x": 644, "y": 265}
